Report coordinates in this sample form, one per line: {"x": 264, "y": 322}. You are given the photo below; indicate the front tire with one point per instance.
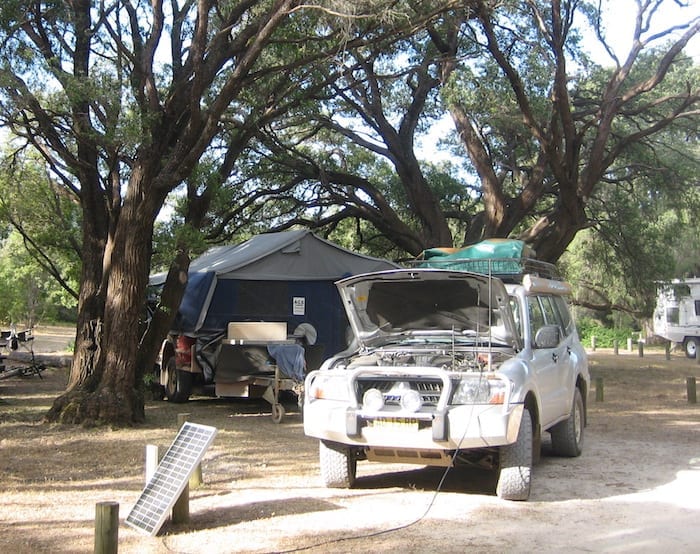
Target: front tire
{"x": 338, "y": 465}
{"x": 178, "y": 385}
{"x": 278, "y": 412}
{"x": 515, "y": 464}
{"x": 567, "y": 436}
{"x": 690, "y": 345}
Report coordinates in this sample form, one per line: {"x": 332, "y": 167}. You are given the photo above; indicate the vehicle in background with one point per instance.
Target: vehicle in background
{"x": 677, "y": 314}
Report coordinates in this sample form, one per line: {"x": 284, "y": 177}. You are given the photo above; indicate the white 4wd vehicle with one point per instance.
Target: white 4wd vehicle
{"x": 451, "y": 367}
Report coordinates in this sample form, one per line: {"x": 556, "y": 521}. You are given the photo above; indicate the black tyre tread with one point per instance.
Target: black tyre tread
{"x": 565, "y": 441}
{"x": 338, "y": 466}
{"x": 179, "y": 388}
{"x": 515, "y": 467}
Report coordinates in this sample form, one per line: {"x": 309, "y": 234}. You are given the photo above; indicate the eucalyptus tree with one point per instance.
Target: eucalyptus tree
{"x": 122, "y": 98}
{"x": 538, "y": 124}
{"x": 573, "y": 126}
{"x": 643, "y": 227}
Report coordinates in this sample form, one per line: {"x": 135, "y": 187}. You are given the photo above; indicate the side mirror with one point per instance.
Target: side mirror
{"x": 547, "y": 336}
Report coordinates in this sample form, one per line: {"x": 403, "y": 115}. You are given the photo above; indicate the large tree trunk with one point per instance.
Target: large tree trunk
{"x": 85, "y": 371}
{"x": 552, "y": 234}
{"x": 103, "y": 385}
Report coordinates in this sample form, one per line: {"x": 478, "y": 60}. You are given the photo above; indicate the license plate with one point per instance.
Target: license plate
{"x": 402, "y": 423}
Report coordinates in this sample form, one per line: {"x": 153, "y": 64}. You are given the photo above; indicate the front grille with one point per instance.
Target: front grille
{"x": 392, "y": 387}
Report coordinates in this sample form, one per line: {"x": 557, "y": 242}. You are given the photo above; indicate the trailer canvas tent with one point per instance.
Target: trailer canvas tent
{"x": 287, "y": 276}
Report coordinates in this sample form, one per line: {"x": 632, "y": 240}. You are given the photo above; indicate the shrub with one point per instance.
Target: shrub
{"x": 605, "y": 337}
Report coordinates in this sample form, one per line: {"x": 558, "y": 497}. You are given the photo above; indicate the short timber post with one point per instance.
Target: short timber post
{"x": 640, "y": 347}
{"x": 629, "y": 344}
{"x": 593, "y": 343}
{"x": 151, "y": 461}
{"x": 668, "y": 350}
{"x": 106, "y": 527}
{"x": 616, "y": 347}
{"x": 181, "y": 509}
{"x": 599, "y": 390}
{"x": 692, "y": 391}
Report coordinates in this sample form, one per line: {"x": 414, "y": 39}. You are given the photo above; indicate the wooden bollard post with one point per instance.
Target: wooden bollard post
{"x": 181, "y": 509}
{"x": 616, "y": 347}
{"x": 599, "y": 391}
{"x": 151, "y": 461}
{"x": 182, "y": 419}
{"x": 593, "y": 343}
{"x": 196, "y": 477}
{"x": 640, "y": 347}
{"x": 692, "y": 391}
{"x": 668, "y": 349}
{"x": 629, "y": 344}
{"x": 106, "y": 527}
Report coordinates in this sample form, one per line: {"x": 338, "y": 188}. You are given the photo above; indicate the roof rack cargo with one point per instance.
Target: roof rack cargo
{"x": 507, "y": 259}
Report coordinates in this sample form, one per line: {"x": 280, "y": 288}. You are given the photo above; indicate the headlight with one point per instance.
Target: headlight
{"x": 411, "y": 401}
{"x": 479, "y": 390}
{"x": 373, "y": 400}
{"x": 329, "y": 387}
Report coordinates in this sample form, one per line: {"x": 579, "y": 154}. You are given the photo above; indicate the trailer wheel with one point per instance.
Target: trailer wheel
{"x": 178, "y": 385}
{"x": 277, "y": 413}
{"x": 338, "y": 465}
{"x": 690, "y": 345}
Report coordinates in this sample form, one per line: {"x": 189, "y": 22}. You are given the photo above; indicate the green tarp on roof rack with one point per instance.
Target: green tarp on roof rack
{"x": 495, "y": 256}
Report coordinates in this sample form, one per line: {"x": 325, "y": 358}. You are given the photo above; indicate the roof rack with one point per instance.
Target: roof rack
{"x": 509, "y": 270}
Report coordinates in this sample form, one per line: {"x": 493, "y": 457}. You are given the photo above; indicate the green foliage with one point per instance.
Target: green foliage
{"x": 30, "y": 295}
{"x": 45, "y": 215}
{"x": 605, "y": 337}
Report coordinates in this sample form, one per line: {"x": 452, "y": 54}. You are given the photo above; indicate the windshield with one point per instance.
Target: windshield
{"x": 428, "y": 303}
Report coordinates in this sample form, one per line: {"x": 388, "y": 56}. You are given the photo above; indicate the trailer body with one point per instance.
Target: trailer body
{"x": 677, "y": 313}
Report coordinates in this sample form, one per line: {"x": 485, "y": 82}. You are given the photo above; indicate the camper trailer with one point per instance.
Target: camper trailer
{"x": 275, "y": 291}
{"x": 677, "y": 313}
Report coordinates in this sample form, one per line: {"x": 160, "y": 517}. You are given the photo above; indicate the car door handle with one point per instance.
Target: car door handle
{"x": 555, "y": 357}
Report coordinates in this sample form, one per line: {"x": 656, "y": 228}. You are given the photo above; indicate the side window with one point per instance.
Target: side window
{"x": 549, "y": 310}
{"x": 672, "y": 315}
{"x": 567, "y": 321}
{"x": 535, "y": 313}
{"x": 549, "y": 313}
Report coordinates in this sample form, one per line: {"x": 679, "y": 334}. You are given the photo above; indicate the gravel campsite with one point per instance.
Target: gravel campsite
{"x": 636, "y": 488}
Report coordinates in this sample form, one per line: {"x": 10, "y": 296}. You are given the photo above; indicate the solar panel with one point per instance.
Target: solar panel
{"x": 171, "y": 476}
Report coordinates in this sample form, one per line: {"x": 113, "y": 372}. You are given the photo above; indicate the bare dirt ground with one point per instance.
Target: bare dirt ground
{"x": 636, "y": 488}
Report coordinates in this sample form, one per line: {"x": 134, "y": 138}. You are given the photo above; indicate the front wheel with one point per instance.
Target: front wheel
{"x": 567, "y": 436}
{"x": 278, "y": 412}
{"x": 690, "y": 345}
{"x": 515, "y": 464}
{"x": 178, "y": 383}
{"x": 338, "y": 465}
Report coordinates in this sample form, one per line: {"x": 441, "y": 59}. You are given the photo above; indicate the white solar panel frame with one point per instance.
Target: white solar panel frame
{"x": 170, "y": 478}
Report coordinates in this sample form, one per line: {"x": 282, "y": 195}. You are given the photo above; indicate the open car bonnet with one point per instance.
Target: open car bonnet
{"x": 427, "y": 305}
